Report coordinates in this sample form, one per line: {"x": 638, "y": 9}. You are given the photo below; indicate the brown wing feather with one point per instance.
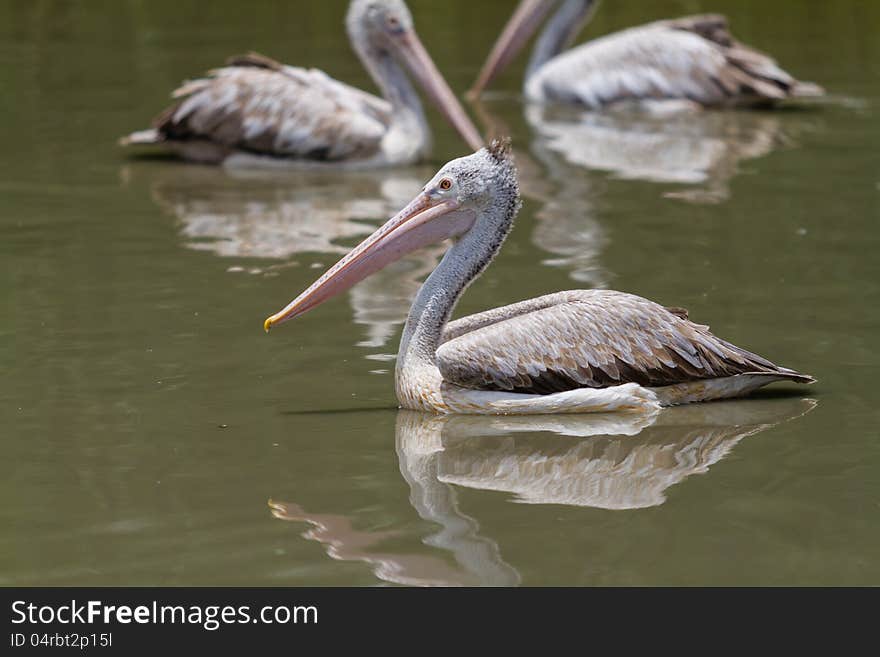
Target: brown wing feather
{"x": 712, "y": 27}
{"x": 748, "y": 72}
{"x": 592, "y": 339}
{"x": 262, "y": 106}
{"x": 255, "y": 59}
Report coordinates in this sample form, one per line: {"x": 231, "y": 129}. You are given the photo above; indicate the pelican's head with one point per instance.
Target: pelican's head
{"x": 382, "y": 22}
{"x": 454, "y": 203}
{"x": 382, "y": 28}
{"x": 474, "y": 182}
{"x": 526, "y": 19}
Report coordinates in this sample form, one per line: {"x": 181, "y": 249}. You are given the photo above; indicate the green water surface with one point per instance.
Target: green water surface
{"x": 147, "y": 420}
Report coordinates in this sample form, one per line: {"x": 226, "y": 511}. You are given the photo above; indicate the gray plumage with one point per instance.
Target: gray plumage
{"x": 589, "y": 338}
{"x": 258, "y": 105}
{"x": 693, "y": 58}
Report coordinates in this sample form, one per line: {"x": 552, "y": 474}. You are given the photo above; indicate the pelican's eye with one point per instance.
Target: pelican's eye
{"x": 445, "y": 184}
{"x": 393, "y": 23}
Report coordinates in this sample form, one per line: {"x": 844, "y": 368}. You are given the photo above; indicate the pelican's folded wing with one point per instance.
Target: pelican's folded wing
{"x": 589, "y": 338}
{"x": 263, "y": 107}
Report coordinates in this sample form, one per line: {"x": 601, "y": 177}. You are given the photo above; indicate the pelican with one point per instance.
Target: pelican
{"x": 256, "y": 111}
{"x": 570, "y": 352}
{"x": 683, "y": 63}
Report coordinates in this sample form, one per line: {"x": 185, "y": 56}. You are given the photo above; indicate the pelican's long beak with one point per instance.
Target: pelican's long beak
{"x": 516, "y": 33}
{"x": 423, "y": 69}
{"x": 422, "y": 222}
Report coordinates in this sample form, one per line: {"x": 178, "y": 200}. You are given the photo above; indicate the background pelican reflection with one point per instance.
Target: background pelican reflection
{"x": 296, "y": 219}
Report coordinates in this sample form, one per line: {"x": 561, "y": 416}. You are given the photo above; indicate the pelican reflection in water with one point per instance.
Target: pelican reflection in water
{"x": 298, "y": 219}
{"x": 612, "y": 462}
{"x": 565, "y": 223}
{"x": 702, "y": 152}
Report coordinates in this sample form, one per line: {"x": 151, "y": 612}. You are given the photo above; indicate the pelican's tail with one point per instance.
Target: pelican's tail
{"x": 149, "y": 136}
{"x": 806, "y": 90}
{"x": 788, "y": 375}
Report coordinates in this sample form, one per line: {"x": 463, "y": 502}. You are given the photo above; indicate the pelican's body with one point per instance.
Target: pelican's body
{"x": 574, "y": 352}
{"x": 571, "y": 352}
{"x": 689, "y": 62}
{"x": 258, "y": 112}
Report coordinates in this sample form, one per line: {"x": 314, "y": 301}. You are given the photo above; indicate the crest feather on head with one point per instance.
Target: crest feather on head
{"x": 500, "y": 150}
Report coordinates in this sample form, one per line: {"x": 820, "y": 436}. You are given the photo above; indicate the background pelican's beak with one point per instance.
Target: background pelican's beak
{"x": 422, "y": 222}
{"x": 423, "y": 69}
{"x": 516, "y": 33}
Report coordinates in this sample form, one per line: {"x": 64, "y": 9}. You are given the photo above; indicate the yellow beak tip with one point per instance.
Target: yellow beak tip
{"x": 267, "y": 324}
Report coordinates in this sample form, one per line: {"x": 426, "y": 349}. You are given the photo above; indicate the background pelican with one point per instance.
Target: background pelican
{"x": 256, "y": 111}
{"x": 569, "y": 352}
{"x": 693, "y": 61}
